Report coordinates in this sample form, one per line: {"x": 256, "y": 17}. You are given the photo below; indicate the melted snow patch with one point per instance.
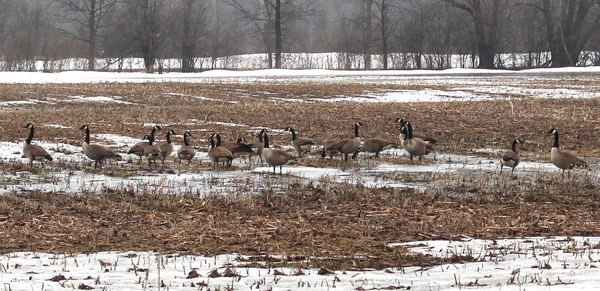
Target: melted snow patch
{"x": 57, "y": 126}
{"x": 225, "y": 123}
{"x": 118, "y": 140}
{"x": 17, "y": 103}
{"x": 405, "y": 96}
{"x": 550, "y": 93}
{"x": 59, "y": 151}
{"x": 552, "y": 263}
{"x": 535, "y": 263}
{"x": 201, "y": 98}
{"x": 98, "y": 99}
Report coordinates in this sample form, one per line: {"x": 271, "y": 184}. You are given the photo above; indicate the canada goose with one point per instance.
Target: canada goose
{"x": 345, "y": 146}
{"x": 511, "y": 158}
{"x": 301, "y": 144}
{"x": 375, "y": 145}
{"x": 259, "y": 145}
{"x": 564, "y": 160}
{"x": 427, "y": 139}
{"x": 166, "y": 147}
{"x": 218, "y": 153}
{"x": 415, "y": 146}
{"x": 95, "y": 152}
{"x": 33, "y": 151}
{"x": 274, "y": 157}
{"x": 138, "y": 149}
{"x": 152, "y": 151}
{"x": 238, "y": 148}
{"x": 186, "y": 151}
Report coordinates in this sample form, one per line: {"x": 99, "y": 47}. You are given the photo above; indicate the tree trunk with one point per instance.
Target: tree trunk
{"x": 568, "y": 37}
{"x": 486, "y": 40}
{"x": 187, "y": 58}
{"x": 92, "y": 36}
{"x": 149, "y": 34}
{"x": 486, "y": 57}
{"x": 384, "y": 36}
{"x": 368, "y": 37}
{"x": 268, "y": 32}
{"x": 486, "y": 28}
{"x": 278, "y": 34}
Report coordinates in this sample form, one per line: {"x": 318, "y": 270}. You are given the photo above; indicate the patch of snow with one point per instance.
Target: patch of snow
{"x": 226, "y": 123}
{"x": 17, "y": 103}
{"x": 536, "y": 263}
{"x": 117, "y": 140}
{"x": 98, "y": 99}
{"x": 254, "y": 75}
{"x": 201, "y": 98}
{"x": 405, "y": 96}
{"x": 57, "y": 126}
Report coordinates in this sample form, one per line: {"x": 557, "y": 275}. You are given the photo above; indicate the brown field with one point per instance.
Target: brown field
{"x": 345, "y": 226}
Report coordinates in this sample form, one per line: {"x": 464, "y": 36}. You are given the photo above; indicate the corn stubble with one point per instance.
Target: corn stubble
{"x": 326, "y": 224}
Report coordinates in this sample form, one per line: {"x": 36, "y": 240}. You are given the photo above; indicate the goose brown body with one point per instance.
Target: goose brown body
{"x": 166, "y": 147}
{"x": 139, "y": 149}
{"x": 32, "y": 151}
{"x": 152, "y": 151}
{"x": 238, "y": 148}
{"x": 376, "y": 145}
{"x": 300, "y": 144}
{"x": 415, "y": 146}
{"x": 344, "y": 146}
{"x": 186, "y": 151}
{"x": 430, "y": 140}
{"x": 95, "y": 152}
{"x": 511, "y": 158}
{"x": 218, "y": 153}
{"x": 274, "y": 157}
{"x": 564, "y": 160}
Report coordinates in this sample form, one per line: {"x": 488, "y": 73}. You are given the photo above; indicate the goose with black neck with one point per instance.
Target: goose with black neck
{"x": 32, "y": 151}
{"x": 95, "y": 152}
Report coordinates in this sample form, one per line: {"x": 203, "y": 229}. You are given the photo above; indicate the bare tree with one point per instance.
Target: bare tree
{"x": 86, "y": 18}
{"x": 569, "y": 26}
{"x": 486, "y": 21}
{"x": 270, "y": 18}
{"x": 387, "y": 9}
{"x": 368, "y": 31}
{"x": 192, "y": 12}
{"x": 261, "y": 14}
{"x": 145, "y": 30}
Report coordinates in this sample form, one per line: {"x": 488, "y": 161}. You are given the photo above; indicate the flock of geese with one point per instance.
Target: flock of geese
{"x": 224, "y": 153}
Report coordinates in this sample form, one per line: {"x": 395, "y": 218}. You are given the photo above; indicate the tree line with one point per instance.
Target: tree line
{"x": 397, "y": 34}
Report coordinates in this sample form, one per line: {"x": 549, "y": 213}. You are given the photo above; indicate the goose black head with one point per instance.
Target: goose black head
{"x": 553, "y": 131}
{"x": 84, "y": 127}
{"x": 28, "y": 125}
{"x": 359, "y": 124}
{"x": 262, "y": 131}
{"x": 401, "y": 120}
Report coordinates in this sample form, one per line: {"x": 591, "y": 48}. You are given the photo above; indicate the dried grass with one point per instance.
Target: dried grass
{"x": 332, "y": 226}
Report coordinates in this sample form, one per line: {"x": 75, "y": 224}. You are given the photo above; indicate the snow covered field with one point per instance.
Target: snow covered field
{"x": 530, "y": 263}
{"x": 270, "y": 74}
{"x": 551, "y": 263}
{"x": 250, "y": 179}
